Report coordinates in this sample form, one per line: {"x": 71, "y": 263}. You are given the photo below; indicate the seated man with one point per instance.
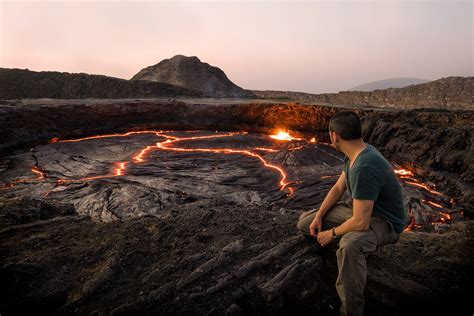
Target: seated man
{"x": 373, "y": 218}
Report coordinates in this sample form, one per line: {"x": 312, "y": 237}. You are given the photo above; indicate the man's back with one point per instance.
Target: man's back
{"x": 371, "y": 177}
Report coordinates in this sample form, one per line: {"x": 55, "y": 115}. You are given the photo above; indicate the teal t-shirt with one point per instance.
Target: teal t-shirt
{"x": 372, "y": 178}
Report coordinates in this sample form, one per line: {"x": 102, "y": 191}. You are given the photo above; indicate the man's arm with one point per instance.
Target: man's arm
{"x": 361, "y": 212}
{"x": 334, "y": 194}
{"x": 331, "y": 198}
{"x": 366, "y": 185}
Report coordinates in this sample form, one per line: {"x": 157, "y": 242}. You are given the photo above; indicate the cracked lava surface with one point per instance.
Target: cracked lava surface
{"x": 123, "y": 175}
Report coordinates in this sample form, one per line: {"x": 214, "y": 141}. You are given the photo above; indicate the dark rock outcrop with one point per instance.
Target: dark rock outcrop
{"x": 435, "y": 144}
{"x": 453, "y": 93}
{"x": 191, "y": 73}
{"x": 22, "y": 83}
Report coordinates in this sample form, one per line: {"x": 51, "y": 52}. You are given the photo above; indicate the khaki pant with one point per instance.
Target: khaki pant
{"x": 353, "y": 249}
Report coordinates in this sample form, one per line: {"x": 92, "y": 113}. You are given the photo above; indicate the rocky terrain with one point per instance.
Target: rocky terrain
{"x": 191, "y": 73}
{"x": 435, "y": 143}
{"x": 190, "y": 207}
{"x": 182, "y": 76}
{"x": 22, "y": 83}
{"x": 216, "y": 261}
{"x": 388, "y": 83}
{"x": 453, "y": 93}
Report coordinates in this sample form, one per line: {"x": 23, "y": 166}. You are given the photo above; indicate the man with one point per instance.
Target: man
{"x": 374, "y": 217}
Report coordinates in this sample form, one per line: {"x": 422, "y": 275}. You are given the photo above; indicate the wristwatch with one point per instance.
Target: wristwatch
{"x": 334, "y": 236}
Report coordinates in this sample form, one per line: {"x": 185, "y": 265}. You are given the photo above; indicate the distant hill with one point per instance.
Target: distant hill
{"x": 22, "y": 83}
{"x": 388, "y": 83}
{"x": 454, "y": 93}
{"x": 191, "y": 73}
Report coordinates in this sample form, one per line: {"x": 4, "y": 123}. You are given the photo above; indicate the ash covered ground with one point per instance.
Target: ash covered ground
{"x": 203, "y": 222}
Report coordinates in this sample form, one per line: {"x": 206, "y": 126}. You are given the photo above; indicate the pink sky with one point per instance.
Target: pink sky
{"x": 310, "y": 46}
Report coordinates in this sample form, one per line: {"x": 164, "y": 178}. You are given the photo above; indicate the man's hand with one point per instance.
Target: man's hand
{"x": 325, "y": 237}
{"x": 316, "y": 225}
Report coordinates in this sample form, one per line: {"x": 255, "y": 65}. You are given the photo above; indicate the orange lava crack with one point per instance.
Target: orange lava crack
{"x": 139, "y": 157}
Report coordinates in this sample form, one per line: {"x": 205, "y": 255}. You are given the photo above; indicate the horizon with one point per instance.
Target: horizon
{"x": 259, "y": 45}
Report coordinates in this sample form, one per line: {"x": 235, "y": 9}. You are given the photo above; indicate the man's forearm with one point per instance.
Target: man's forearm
{"x": 331, "y": 198}
{"x": 352, "y": 224}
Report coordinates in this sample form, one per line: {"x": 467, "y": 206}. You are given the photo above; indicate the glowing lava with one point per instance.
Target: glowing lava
{"x": 404, "y": 173}
{"x": 40, "y": 176}
{"x": 270, "y": 150}
{"x": 170, "y": 142}
{"x": 120, "y": 170}
{"x": 139, "y": 157}
{"x": 407, "y": 177}
{"x": 282, "y": 135}
{"x": 407, "y": 174}
{"x": 283, "y": 183}
{"x": 38, "y": 172}
{"x": 433, "y": 203}
{"x": 57, "y": 140}
{"x": 413, "y": 223}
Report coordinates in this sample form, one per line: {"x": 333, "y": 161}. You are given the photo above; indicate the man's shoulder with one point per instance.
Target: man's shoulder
{"x": 373, "y": 158}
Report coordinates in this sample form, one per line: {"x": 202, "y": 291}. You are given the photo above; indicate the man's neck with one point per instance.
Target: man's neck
{"x": 353, "y": 148}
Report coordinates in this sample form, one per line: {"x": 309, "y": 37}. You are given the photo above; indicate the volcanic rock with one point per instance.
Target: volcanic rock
{"x": 191, "y": 73}
{"x": 441, "y": 151}
{"x": 256, "y": 263}
{"x": 23, "y": 83}
{"x": 453, "y": 93}
{"x": 435, "y": 144}
{"x": 388, "y": 83}
{"x": 201, "y": 224}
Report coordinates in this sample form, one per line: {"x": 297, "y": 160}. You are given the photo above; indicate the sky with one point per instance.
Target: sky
{"x": 307, "y": 46}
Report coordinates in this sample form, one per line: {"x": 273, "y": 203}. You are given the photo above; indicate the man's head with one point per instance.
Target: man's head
{"x": 344, "y": 126}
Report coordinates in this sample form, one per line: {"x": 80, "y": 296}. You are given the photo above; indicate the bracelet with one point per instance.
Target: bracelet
{"x": 334, "y": 236}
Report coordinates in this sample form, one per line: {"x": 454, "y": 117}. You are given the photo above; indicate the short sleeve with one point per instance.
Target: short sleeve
{"x": 366, "y": 183}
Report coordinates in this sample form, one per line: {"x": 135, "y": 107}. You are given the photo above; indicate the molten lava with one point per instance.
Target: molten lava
{"x": 282, "y": 135}
{"x": 173, "y": 139}
{"x": 169, "y": 142}
{"x": 413, "y": 225}
{"x": 120, "y": 170}
{"x": 40, "y": 176}
{"x": 57, "y": 140}
{"x": 139, "y": 157}
{"x": 407, "y": 174}
{"x": 407, "y": 177}
{"x": 404, "y": 173}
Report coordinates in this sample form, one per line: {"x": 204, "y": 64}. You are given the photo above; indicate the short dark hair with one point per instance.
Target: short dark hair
{"x": 346, "y": 124}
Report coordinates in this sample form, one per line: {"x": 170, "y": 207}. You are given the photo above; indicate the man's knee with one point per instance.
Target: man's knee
{"x": 349, "y": 243}
{"x": 358, "y": 242}
{"x": 305, "y": 220}
{"x": 302, "y": 225}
